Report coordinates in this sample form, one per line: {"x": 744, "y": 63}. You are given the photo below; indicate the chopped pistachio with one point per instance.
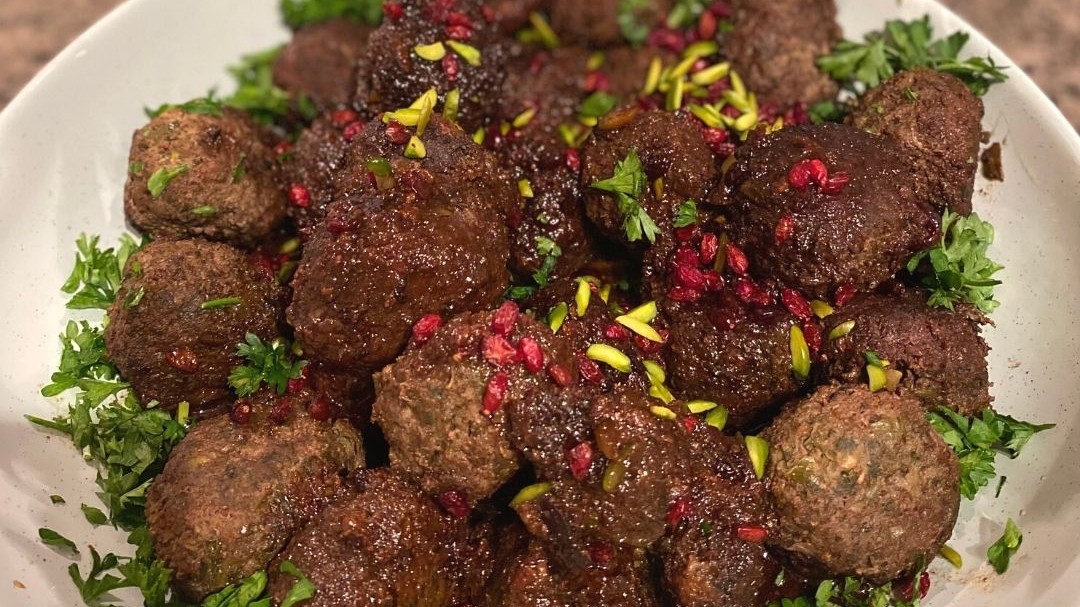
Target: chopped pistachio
{"x": 800, "y": 354}
{"x": 946, "y": 552}
{"x": 469, "y": 53}
{"x": 663, "y": 412}
{"x": 652, "y": 77}
{"x": 701, "y": 406}
{"x": 655, "y": 372}
{"x": 609, "y": 355}
{"x": 523, "y": 119}
{"x": 841, "y": 330}
{"x": 557, "y": 316}
{"x": 640, "y": 328}
{"x": 646, "y": 312}
{"x": 582, "y": 297}
{"x": 717, "y": 418}
{"x": 530, "y": 493}
{"x": 758, "y": 449}
{"x": 525, "y": 188}
{"x": 876, "y": 376}
{"x": 711, "y": 74}
{"x": 547, "y": 35}
{"x": 613, "y": 477}
{"x": 821, "y": 309}
{"x": 415, "y": 149}
{"x": 430, "y": 52}
{"x": 452, "y": 105}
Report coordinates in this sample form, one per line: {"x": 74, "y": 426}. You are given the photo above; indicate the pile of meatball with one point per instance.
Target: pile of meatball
{"x": 588, "y": 444}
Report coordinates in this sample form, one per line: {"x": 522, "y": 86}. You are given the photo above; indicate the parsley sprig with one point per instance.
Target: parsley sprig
{"x": 904, "y": 45}
{"x": 97, "y": 273}
{"x": 977, "y": 442}
{"x": 628, "y": 184}
{"x": 298, "y": 13}
{"x": 686, "y": 214}
{"x": 1006, "y": 546}
{"x": 959, "y": 269}
{"x": 271, "y": 363}
{"x": 551, "y": 252}
{"x": 849, "y": 592}
{"x": 257, "y": 94}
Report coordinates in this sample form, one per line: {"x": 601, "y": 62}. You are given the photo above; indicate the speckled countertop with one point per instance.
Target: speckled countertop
{"x": 1042, "y": 36}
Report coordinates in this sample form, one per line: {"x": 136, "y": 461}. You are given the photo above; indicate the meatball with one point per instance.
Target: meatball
{"x": 320, "y": 62}
{"x": 435, "y": 242}
{"x": 513, "y": 15}
{"x": 625, "y": 68}
{"x": 232, "y": 493}
{"x": 203, "y": 175}
{"x": 392, "y": 75}
{"x": 940, "y": 353}
{"x": 669, "y": 146}
{"x": 385, "y": 545}
{"x": 859, "y": 231}
{"x": 312, "y": 167}
{"x": 862, "y": 484}
{"x": 442, "y": 405}
{"x": 178, "y": 316}
{"x": 775, "y": 44}
{"x": 550, "y": 81}
{"x": 937, "y": 115}
{"x": 596, "y": 24}
{"x": 552, "y": 216}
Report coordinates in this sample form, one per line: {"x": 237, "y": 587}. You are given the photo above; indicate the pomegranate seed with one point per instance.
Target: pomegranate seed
{"x": 750, "y": 293}
{"x": 724, "y": 150}
{"x": 266, "y": 262}
{"x": 425, "y": 328}
{"x": 397, "y": 133}
{"x": 240, "y": 413}
{"x": 299, "y": 195}
{"x": 689, "y": 277}
{"x": 281, "y": 410}
{"x": 835, "y": 183}
{"x": 458, "y": 32}
{"x": 785, "y": 228}
{"x": 796, "y": 304}
{"x": 580, "y": 460}
{"x": 755, "y": 534}
{"x": 707, "y": 26}
{"x": 686, "y": 256}
{"x": 560, "y": 375}
{"x": 690, "y": 423}
{"x": 590, "y": 370}
{"x": 906, "y": 588}
{"x": 454, "y": 503}
{"x": 505, "y": 318}
{"x": 707, "y": 249}
{"x": 812, "y": 334}
{"x": 597, "y": 81}
{"x": 717, "y": 139}
{"x": 459, "y": 18}
{"x": 720, "y": 9}
{"x": 530, "y": 352}
{"x": 677, "y": 511}
{"x": 722, "y": 318}
{"x": 320, "y": 409}
{"x": 806, "y": 172}
{"x": 667, "y": 38}
{"x": 283, "y": 148}
{"x": 797, "y": 114}
{"x": 683, "y": 294}
{"x": 499, "y": 351}
{"x": 818, "y": 171}
{"x": 686, "y": 233}
{"x": 344, "y": 117}
{"x": 713, "y": 281}
{"x": 844, "y": 293}
{"x": 338, "y": 226}
{"x": 731, "y": 111}
{"x": 495, "y": 392}
{"x": 438, "y": 10}
{"x": 601, "y": 553}
{"x": 736, "y": 259}
{"x": 451, "y": 67}
{"x": 573, "y": 160}
{"x": 648, "y": 346}
{"x": 393, "y": 10}
{"x": 297, "y": 384}
{"x": 183, "y": 360}
{"x": 616, "y": 332}
{"x": 352, "y": 130}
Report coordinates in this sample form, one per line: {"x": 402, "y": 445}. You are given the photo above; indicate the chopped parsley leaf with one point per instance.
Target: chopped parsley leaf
{"x": 57, "y": 499}
{"x": 204, "y": 211}
{"x": 849, "y": 592}
{"x": 298, "y": 13}
{"x": 827, "y": 111}
{"x": 257, "y": 94}
{"x": 93, "y": 515}
{"x": 52, "y": 538}
{"x": 96, "y": 277}
{"x": 161, "y": 178}
{"x": 686, "y": 215}
{"x": 551, "y": 252}
{"x": 270, "y": 363}
{"x": 627, "y": 184}
{"x": 597, "y": 105}
{"x": 239, "y": 170}
{"x": 1005, "y": 547}
{"x": 959, "y": 269}
{"x": 204, "y": 106}
{"x": 302, "y": 589}
{"x": 223, "y": 302}
{"x": 630, "y": 24}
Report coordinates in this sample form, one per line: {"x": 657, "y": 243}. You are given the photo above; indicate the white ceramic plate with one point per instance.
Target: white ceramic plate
{"x": 63, "y": 159}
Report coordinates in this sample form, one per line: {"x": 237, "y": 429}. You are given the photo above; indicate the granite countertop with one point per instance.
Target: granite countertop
{"x": 1041, "y": 36}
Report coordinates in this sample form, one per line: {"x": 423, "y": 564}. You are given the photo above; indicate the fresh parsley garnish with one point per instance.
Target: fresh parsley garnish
{"x": 223, "y": 302}
{"x": 161, "y": 178}
{"x": 256, "y": 92}
{"x": 904, "y": 45}
{"x": 686, "y": 214}
{"x": 686, "y": 13}
{"x": 1005, "y": 547}
{"x": 551, "y": 252}
{"x": 96, "y": 277}
{"x": 959, "y": 267}
{"x": 82, "y": 361}
{"x": 629, "y": 22}
{"x": 52, "y": 538}
{"x": 270, "y": 363}
{"x": 978, "y": 440}
{"x": 302, "y": 589}
{"x": 628, "y": 184}
{"x": 597, "y": 105}
{"x": 849, "y": 592}
{"x": 298, "y": 13}
{"x": 827, "y": 111}
{"x": 205, "y": 106}
{"x": 93, "y": 515}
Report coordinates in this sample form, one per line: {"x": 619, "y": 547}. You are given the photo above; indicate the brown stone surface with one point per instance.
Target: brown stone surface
{"x": 1042, "y": 36}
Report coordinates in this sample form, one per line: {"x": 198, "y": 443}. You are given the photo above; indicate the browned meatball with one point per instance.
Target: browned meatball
{"x": 857, "y": 233}
{"x": 320, "y": 61}
{"x": 670, "y": 147}
{"x": 940, "y": 353}
{"x": 442, "y": 405}
{"x": 435, "y": 242}
{"x": 775, "y": 45}
{"x": 553, "y": 215}
{"x": 232, "y": 493}
{"x": 862, "y": 484}
{"x": 596, "y": 24}
{"x": 512, "y": 15}
{"x": 384, "y": 545}
{"x": 180, "y": 312}
{"x": 203, "y": 175}
{"x": 937, "y": 115}
{"x": 626, "y": 68}
{"x": 391, "y": 74}
{"x": 313, "y": 167}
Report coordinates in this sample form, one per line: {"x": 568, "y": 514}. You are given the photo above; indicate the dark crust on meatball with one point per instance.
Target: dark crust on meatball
{"x": 231, "y": 495}
{"x": 669, "y": 145}
{"x": 937, "y": 115}
{"x": 320, "y": 62}
{"x": 391, "y": 75}
{"x": 166, "y": 346}
{"x": 385, "y": 545}
{"x": 435, "y": 243}
{"x": 228, "y": 192}
{"x": 595, "y": 24}
{"x": 940, "y": 353}
{"x": 861, "y": 236}
{"x": 775, "y": 44}
{"x": 862, "y": 484}
{"x": 554, "y": 212}
{"x": 430, "y": 406}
